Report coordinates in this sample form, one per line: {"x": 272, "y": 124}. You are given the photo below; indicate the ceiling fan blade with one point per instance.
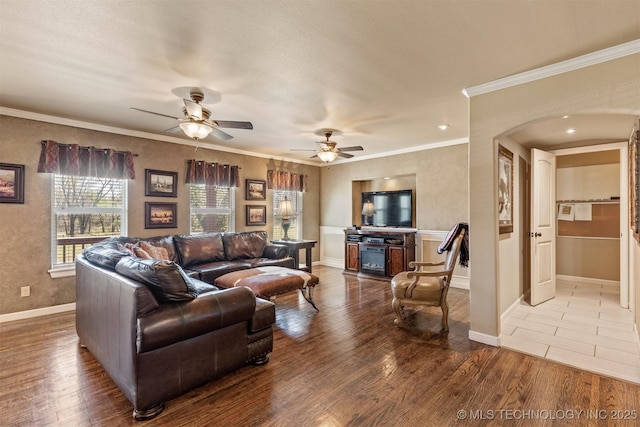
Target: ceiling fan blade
{"x": 314, "y": 156}
{"x": 174, "y": 129}
{"x": 157, "y": 114}
{"x": 194, "y": 110}
{"x": 354, "y": 148}
{"x": 345, "y": 155}
{"x": 217, "y": 133}
{"x": 233, "y": 124}
{"x": 300, "y": 149}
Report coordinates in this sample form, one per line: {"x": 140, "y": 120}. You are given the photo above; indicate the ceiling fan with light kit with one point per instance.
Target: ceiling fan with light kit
{"x": 328, "y": 149}
{"x": 197, "y": 122}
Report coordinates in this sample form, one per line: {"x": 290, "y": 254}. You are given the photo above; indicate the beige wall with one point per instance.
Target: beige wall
{"x": 613, "y": 86}
{"x": 441, "y": 186}
{"x": 25, "y": 229}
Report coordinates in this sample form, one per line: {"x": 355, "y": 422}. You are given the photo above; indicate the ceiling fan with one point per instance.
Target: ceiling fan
{"x": 197, "y": 122}
{"x": 328, "y": 151}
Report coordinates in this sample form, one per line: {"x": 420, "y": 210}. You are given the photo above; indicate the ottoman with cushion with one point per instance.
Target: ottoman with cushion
{"x": 269, "y": 281}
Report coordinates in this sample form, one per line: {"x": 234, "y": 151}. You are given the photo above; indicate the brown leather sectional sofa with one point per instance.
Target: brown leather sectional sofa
{"x": 158, "y": 326}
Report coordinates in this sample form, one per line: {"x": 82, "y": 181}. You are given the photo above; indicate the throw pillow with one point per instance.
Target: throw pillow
{"x": 156, "y": 252}
{"x": 166, "y": 279}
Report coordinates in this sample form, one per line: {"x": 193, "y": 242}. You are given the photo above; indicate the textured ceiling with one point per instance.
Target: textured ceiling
{"x": 385, "y": 73}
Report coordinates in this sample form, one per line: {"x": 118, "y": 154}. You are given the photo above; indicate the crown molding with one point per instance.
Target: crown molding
{"x": 604, "y": 55}
{"x": 138, "y": 134}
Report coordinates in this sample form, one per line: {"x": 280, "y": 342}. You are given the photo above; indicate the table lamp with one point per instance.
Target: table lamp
{"x": 286, "y": 211}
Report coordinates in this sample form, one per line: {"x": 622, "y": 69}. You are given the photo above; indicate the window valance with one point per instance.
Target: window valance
{"x": 285, "y": 180}
{"x": 75, "y": 160}
{"x": 214, "y": 174}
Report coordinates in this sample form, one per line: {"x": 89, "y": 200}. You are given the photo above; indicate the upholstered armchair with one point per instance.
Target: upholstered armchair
{"x": 428, "y": 283}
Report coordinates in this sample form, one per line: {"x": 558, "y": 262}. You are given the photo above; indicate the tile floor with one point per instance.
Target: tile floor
{"x": 583, "y": 326}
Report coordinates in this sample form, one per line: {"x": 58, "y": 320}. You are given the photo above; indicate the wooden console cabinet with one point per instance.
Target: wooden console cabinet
{"x": 398, "y": 247}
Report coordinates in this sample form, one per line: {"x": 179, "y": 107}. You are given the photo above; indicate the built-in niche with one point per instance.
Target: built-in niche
{"x": 395, "y": 183}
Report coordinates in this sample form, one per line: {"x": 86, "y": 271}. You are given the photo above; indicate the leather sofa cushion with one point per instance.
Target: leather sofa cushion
{"x": 210, "y": 271}
{"x": 244, "y": 245}
{"x": 163, "y": 242}
{"x": 199, "y": 248}
{"x": 263, "y": 262}
{"x": 165, "y": 279}
{"x": 264, "y": 317}
{"x": 210, "y": 311}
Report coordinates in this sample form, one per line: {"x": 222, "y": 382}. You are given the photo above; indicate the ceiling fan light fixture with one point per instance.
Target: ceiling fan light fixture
{"x": 196, "y": 130}
{"x": 327, "y": 156}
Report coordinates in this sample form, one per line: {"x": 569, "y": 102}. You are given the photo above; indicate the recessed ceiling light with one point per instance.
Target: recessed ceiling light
{"x": 565, "y": 117}
{"x": 571, "y": 131}
{"x": 443, "y": 126}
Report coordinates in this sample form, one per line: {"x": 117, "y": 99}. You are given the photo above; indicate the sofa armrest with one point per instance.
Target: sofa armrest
{"x": 180, "y": 321}
{"x": 274, "y": 251}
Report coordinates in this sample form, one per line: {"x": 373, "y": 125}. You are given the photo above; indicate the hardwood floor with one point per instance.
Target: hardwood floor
{"x": 347, "y": 365}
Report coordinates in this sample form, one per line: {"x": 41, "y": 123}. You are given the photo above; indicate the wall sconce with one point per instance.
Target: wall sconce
{"x": 368, "y": 210}
{"x": 286, "y": 211}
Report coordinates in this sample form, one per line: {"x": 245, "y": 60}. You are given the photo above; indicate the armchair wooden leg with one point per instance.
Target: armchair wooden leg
{"x": 397, "y": 308}
{"x": 445, "y": 315}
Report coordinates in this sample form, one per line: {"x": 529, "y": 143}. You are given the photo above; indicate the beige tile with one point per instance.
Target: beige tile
{"x": 619, "y": 356}
{"x": 532, "y": 326}
{"x": 625, "y": 327}
{"x": 598, "y": 340}
{"x": 524, "y": 346}
{"x": 507, "y": 328}
{"x": 594, "y": 364}
{"x": 619, "y": 335}
{"x": 564, "y": 323}
{"x": 554, "y": 341}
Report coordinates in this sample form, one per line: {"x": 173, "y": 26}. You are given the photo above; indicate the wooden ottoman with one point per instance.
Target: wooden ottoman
{"x": 269, "y": 281}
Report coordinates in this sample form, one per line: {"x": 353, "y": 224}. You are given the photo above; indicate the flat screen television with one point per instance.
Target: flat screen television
{"x": 390, "y": 208}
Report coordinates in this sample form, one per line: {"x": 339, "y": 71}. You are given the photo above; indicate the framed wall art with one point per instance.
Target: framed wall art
{"x": 256, "y": 214}
{"x": 634, "y": 183}
{"x": 160, "y": 215}
{"x": 255, "y": 189}
{"x": 160, "y": 183}
{"x": 11, "y": 183}
{"x": 505, "y": 190}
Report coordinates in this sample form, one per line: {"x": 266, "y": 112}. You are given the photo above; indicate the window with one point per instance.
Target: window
{"x": 86, "y": 210}
{"x": 295, "y": 229}
{"x": 212, "y": 208}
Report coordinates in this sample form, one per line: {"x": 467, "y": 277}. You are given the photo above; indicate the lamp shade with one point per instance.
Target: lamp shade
{"x": 327, "y": 156}
{"x": 196, "y": 130}
{"x": 285, "y": 210}
{"x": 368, "y": 209}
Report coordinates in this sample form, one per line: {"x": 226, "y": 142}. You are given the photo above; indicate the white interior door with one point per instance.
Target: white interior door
{"x": 543, "y": 226}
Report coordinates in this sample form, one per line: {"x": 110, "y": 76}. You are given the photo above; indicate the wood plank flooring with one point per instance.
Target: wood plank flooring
{"x": 347, "y": 365}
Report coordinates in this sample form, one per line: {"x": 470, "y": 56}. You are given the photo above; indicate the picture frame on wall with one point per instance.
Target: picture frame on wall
{"x": 505, "y": 190}
{"x": 634, "y": 183}
{"x": 255, "y": 189}
{"x": 160, "y": 215}
{"x": 11, "y": 183}
{"x": 159, "y": 183}
{"x": 256, "y": 214}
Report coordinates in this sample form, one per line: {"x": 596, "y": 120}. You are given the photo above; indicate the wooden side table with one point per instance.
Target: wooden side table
{"x": 294, "y": 251}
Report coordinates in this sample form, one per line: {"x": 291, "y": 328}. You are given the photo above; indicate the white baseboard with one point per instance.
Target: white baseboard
{"x": 588, "y": 280}
{"x": 332, "y": 262}
{"x": 19, "y": 315}
{"x": 460, "y": 282}
{"x": 484, "y": 338}
{"x": 509, "y": 311}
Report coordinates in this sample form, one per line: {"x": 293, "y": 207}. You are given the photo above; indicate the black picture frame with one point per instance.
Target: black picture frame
{"x": 255, "y": 189}
{"x": 505, "y": 190}
{"x": 11, "y": 183}
{"x": 256, "y": 215}
{"x": 159, "y": 183}
{"x": 160, "y": 215}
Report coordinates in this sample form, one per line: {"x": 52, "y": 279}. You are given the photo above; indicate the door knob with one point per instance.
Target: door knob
{"x": 538, "y": 235}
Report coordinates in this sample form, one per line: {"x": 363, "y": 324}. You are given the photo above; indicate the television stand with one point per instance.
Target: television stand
{"x": 378, "y": 253}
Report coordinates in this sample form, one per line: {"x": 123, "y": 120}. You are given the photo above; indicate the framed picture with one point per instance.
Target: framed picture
{"x": 160, "y": 215}
{"x": 634, "y": 183}
{"x": 505, "y": 190}
{"x": 256, "y": 215}
{"x": 255, "y": 189}
{"x": 11, "y": 183}
{"x": 160, "y": 183}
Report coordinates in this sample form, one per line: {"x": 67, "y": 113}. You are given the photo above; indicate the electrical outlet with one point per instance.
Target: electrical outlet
{"x": 25, "y": 291}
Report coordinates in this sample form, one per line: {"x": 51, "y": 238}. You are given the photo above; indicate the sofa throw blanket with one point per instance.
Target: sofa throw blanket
{"x": 464, "y": 247}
